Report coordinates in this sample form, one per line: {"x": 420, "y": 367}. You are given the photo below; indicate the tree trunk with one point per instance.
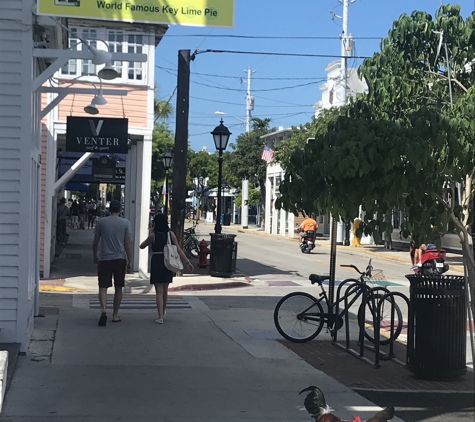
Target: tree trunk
{"x": 469, "y": 263}
{"x": 388, "y": 241}
{"x": 263, "y": 202}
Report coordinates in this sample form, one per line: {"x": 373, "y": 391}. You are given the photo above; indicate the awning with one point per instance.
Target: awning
{"x": 73, "y": 186}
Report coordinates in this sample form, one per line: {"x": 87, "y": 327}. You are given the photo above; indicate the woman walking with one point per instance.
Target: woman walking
{"x": 161, "y": 276}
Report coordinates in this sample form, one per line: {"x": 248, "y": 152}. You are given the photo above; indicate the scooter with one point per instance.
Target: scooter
{"x": 308, "y": 241}
{"x": 432, "y": 262}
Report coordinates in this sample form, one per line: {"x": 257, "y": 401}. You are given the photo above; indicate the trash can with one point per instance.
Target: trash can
{"x": 227, "y": 220}
{"x": 437, "y": 332}
{"x": 221, "y": 256}
{"x": 222, "y": 219}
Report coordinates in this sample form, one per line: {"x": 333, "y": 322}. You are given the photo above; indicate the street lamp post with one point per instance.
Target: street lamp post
{"x": 167, "y": 158}
{"x": 221, "y": 137}
{"x": 245, "y": 182}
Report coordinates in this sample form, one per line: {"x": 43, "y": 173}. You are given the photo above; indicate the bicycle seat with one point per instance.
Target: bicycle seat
{"x": 317, "y": 279}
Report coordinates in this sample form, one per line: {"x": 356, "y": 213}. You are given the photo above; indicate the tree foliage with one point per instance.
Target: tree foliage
{"x": 203, "y": 168}
{"x": 254, "y": 198}
{"x": 410, "y": 143}
{"x": 300, "y": 135}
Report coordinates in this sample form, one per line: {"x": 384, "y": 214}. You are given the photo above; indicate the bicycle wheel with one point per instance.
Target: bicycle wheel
{"x": 298, "y": 317}
{"x": 365, "y": 319}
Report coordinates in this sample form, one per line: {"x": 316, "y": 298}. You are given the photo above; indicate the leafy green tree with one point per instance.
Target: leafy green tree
{"x": 202, "y": 169}
{"x": 254, "y": 198}
{"x": 409, "y": 144}
{"x": 318, "y": 126}
{"x": 245, "y": 160}
{"x": 162, "y": 109}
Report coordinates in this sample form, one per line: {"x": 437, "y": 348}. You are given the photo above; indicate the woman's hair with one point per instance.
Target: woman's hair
{"x": 160, "y": 223}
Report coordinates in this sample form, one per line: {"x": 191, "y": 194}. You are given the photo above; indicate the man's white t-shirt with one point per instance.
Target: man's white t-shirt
{"x": 112, "y": 231}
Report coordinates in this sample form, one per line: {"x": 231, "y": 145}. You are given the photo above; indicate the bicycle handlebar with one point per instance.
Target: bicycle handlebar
{"x": 367, "y": 272}
{"x": 354, "y": 267}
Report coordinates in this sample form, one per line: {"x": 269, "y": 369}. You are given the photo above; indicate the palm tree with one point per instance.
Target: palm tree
{"x": 162, "y": 109}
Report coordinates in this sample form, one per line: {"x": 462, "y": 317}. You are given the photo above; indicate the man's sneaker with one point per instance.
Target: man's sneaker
{"x": 159, "y": 321}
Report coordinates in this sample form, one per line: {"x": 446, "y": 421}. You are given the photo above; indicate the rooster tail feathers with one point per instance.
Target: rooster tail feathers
{"x": 316, "y": 394}
{"x": 315, "y": 401}
{"x": 311, "y": 388}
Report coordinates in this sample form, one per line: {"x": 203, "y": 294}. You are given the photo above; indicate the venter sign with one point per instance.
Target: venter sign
{"x": 89, "y": 134}
{"x": 218, "y": 13}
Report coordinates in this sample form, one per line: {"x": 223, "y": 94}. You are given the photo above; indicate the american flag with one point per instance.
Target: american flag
{"x": 267, "y": 154}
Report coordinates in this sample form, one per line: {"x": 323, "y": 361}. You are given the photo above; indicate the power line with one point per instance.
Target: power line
{"x": 280, "y": 54}
{"x": 259, "y": 90}
{"x": 269, "y": 37}
{"x": 236, "y": 77}
{"x": 240, "y": 104}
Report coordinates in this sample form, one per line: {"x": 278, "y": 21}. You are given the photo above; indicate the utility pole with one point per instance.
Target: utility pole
{"x": 346, "y": 49}
{"x": 338, "y": 227}
{"x": 181, "y": 145}
{"x": 245, "y": 182}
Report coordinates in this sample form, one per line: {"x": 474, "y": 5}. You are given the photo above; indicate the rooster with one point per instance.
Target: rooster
{"x": 319, "y": 410}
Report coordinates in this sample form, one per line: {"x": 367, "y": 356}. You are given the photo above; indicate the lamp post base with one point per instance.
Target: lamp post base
{"x": 217, "y": 228}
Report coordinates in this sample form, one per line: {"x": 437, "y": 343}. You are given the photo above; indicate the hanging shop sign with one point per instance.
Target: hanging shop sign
{"x": 90, "y": 134}
{"x": 104, "y": 168}
{"x": 107, "y": 169}
{"x": 219, "y": 13}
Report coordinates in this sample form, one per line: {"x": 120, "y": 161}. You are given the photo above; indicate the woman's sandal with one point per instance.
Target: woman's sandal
{"x": 102, "y": 320}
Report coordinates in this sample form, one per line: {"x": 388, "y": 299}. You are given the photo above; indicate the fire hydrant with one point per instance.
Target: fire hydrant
{"x": 204, "y": 252}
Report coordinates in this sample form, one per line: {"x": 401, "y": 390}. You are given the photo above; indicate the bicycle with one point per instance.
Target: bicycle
{"x": 299, "y": 316}
{"x": 191, "y": 245}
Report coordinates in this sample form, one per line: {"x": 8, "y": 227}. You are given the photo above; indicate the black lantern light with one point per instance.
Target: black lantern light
{"x": 221, "y": 137}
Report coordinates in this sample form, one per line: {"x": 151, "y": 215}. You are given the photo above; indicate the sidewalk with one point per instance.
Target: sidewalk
{"x": 205, "y": 364}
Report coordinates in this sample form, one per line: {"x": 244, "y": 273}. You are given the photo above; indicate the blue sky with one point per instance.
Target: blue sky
{"x": 284, "y": 87}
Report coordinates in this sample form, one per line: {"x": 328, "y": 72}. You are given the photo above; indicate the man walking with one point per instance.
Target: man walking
{"x": 63, "y": 214}
{"x": 112, "y": 236}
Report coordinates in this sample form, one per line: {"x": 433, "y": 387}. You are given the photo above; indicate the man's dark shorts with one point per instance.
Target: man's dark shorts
{"x": 107, "y": 269}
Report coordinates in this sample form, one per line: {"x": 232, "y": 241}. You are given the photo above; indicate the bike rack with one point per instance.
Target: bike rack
{"x": 361, "y": 289}
{"x": 377, "y": 327}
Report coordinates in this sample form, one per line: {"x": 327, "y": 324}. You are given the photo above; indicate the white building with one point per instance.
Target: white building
{"x": 332, "y": 89}
{"x": 278, "y": 222}
{"x": 32, "y": 50}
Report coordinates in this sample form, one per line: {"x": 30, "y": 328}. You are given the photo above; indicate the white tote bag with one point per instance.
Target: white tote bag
{"x": 171, "y": 257}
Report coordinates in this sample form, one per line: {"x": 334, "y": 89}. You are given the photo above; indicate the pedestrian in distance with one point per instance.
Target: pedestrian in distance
{"x": 62, "y": 220}
{"x": 75, "y": 214}
{"x": 112, "y": 250}
{"x": 91, "y": 216}
{"x": 82, "y": 214}
{"x": 161, "y": 276}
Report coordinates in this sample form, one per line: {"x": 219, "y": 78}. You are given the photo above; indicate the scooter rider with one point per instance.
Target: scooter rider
{"x": 309, "y": 224}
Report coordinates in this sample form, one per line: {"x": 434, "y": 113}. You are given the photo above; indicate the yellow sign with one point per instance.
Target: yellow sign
{"x": 218, "y": 13}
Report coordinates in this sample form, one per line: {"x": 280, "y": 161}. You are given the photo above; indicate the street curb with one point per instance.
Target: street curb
{"x": 3, "y": 375}
{"x": 54, "y": 288}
